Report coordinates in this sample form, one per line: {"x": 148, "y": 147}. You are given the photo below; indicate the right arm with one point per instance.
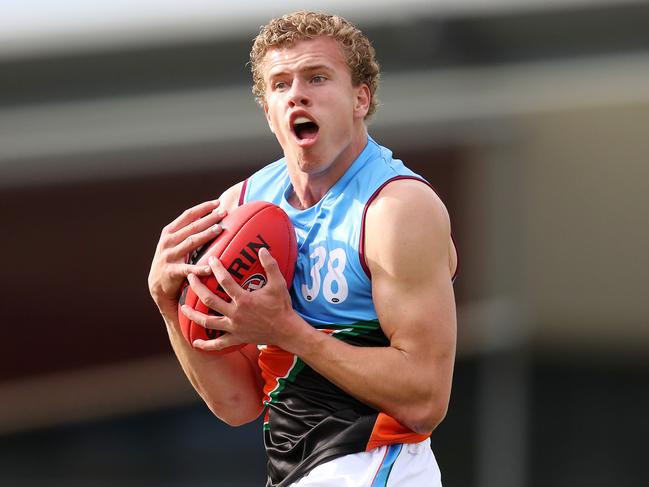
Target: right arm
{"x": 230, "y": 384}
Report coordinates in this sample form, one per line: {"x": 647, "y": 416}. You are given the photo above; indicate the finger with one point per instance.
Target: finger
{"x": 225, "y": 279}
{"x": 207, "y": 297}
{"x": 224, "y": 341}
{"x": 271, "y": 266}
{"x": 184, "y": 270}
{"x": 205, "y": 223}
{"x": 195, "y": 241}
{"x": 206, "y": 321}
{"x": 192, "y": 214}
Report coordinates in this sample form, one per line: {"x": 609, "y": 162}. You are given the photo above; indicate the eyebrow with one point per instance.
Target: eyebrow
{"x": 304, "y": 69}
{"x": 316, "y": 67}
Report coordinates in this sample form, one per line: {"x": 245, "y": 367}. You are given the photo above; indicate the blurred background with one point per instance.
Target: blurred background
{"x": 531, "y": 118}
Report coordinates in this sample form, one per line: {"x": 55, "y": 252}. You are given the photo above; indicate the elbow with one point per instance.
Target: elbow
{"x": 435, "y": 417}
{"x": 235, "y": 420}
{"x": 236, "y": 416}
{"x": 235, "y": 410}
{"x": 424, "y": 419}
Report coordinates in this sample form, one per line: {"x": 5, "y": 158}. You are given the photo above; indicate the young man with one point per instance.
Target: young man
{"x": 356, "y": 364}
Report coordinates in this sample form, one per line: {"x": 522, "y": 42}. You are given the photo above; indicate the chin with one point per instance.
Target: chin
{"x": 309, "y": 161}
{"x": 312, "y": 167}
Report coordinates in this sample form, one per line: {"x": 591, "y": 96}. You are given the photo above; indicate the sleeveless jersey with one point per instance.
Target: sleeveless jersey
{"x": 309, "y": 420}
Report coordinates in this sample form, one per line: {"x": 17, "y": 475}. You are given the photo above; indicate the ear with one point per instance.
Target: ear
{"x": 267, "y": 115}
{"x": 362, "y": 101}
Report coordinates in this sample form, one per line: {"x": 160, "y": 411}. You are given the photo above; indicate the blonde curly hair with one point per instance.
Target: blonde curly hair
{"x": 303, "y": 25}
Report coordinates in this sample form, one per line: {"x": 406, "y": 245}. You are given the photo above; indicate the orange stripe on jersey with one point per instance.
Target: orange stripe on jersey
{"x": 276, "y": 365}
{"x": 388, "y": 431}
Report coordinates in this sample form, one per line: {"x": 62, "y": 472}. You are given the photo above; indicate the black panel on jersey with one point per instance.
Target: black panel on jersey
{"x": 314, "y": 421}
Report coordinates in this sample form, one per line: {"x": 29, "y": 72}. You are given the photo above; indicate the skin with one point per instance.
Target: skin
{"x": 229, "y": 384}
{"x": 312, "y": 79}
{"x": 411, "y": 270}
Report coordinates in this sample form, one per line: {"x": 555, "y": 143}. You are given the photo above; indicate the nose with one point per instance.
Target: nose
{"x": 298, "y": 95}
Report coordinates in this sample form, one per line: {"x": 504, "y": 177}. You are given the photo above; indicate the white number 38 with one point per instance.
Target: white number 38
{"x": 334, "y": 285}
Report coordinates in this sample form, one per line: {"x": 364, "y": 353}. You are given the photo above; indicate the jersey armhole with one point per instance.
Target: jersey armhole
{"x": 361, "y": 244}
{"x": 242, "y": 194}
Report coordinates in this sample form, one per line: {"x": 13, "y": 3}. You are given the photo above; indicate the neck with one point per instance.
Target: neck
{"x": 309, "y": 188}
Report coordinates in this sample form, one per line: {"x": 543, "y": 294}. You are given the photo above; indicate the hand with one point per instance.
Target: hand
{"x": 192, "y": 229}
{"x": 259, "y": 317}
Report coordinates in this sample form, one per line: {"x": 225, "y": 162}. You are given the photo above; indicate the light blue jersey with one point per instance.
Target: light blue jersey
{"x": 309, "y": 420}
{"x": 331, "y": 285}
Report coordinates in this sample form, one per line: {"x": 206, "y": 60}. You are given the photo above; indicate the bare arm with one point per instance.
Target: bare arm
{"x": 411, "y": 257}
{"x": 229, "y": 384}
{"x": 409, "y": 254}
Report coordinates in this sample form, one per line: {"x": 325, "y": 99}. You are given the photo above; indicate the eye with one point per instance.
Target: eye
{"x": 280, "y": 86}
{"x": 317, "y": 79}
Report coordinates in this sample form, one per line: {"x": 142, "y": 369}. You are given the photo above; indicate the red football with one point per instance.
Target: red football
{"x": 246, "y": 229}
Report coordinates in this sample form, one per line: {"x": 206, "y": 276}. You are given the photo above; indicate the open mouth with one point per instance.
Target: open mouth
{"x": 305, "y": 129}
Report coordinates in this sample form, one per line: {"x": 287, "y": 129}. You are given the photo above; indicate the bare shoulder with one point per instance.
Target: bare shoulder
{"x": 230, "y": 197}
{"x": 410, "y": 195}
{"x": 408, "y": 218}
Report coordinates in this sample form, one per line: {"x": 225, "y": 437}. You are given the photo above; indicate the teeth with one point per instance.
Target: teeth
{"x": 301, "y": 120}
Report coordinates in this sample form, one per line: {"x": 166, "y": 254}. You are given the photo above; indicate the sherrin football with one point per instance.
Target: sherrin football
{"x": 246, "y": 230}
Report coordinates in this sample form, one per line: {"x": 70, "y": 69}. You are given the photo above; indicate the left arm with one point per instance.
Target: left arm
{"x": 412, "y": 260}
{"x": 411, "y": 257}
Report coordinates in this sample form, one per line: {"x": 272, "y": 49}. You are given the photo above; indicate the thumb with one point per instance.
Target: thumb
{"x": 270, "y": 265}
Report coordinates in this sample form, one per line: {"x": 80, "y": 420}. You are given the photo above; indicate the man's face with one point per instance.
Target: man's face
{"x": 311, "y": 105}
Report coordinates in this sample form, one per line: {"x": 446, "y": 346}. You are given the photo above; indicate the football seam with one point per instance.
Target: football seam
{"x": 250, "y": 217}
{"x": 288, "y": 224}
{"x": 261, "y": 208}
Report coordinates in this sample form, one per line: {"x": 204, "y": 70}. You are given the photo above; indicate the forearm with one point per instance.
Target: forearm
{"x": 397, "y": 382}
{"x": 229, "y": 384}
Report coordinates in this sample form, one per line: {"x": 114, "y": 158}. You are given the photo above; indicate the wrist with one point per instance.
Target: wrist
{"x": 301, "y": 337}
{"x": 168, "y": 308}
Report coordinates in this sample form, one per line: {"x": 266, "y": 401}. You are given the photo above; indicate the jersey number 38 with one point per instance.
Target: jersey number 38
{"x": 333, "y": 286}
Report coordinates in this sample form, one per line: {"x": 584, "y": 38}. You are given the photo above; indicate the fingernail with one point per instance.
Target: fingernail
{"x": 207, "y": 269}
{"x": 211, "y": 260}
{"x": 220, "y": 212}
{"x": 216, "y": 228}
